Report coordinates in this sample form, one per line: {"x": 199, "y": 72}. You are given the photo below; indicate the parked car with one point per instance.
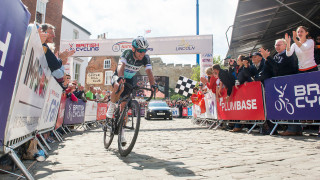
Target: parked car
{"x": 158, "y": 109}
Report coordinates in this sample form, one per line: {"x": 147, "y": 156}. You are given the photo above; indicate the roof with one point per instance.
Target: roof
{"x": 75, "y": 24}
{"x": 258, "y": 23}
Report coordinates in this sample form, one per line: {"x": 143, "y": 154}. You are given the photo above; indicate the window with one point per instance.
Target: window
{"x": 77, "y": 72}
{"x": 107, "y": 63}
{"x": 41, "y": 11}
{"x": 75, "y": 34}
{"x": 108, "y": 77}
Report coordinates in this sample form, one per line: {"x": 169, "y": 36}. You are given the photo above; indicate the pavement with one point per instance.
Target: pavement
{"x": 179, "y": 149}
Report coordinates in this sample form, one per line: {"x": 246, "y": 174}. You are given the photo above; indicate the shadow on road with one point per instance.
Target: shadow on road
{"x": 140, "y": 162}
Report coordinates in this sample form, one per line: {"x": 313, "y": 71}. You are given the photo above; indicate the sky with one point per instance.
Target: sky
{"x": 130, "y": 18}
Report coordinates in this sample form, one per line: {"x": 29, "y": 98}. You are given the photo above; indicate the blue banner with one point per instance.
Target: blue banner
{"x": 294, "y": 97}
{"x": 14, "y": 20}
{"x": 189, "y": 111}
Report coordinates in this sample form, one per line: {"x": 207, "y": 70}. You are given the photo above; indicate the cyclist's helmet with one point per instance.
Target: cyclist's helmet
{"x": 140, "y": 43}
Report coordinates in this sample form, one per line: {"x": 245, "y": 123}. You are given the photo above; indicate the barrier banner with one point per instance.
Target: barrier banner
{"x": 51, "y": 106}
{"x": 196, "y": 111}
{"x": 74, "y": 113}
{"x": 32, "y": 88}
{"x": 185, "y": 112}
{"x": 102, "y": 111}
{"x": 211, "y": 105}
{"x": 91, "y": 111}
{"x": 175, "y": 112}
{"x": 294, "y": 97}
{"x": 245, "y": 103}
{"x": 61, "y": 111}
{"x": 189, "y": 111}
{"x": 12, "y": 36}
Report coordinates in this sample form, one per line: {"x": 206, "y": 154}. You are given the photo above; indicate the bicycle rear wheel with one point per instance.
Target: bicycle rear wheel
{"x": 129, "y": 128}
{"x": 108, "y": 133}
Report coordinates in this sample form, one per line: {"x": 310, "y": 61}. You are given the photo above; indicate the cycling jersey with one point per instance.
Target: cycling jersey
{"x": 132, "y": 65}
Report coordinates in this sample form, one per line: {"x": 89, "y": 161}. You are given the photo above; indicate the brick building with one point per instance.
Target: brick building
{"x": 46, "y": 11}
{"x": 99, "y": 72}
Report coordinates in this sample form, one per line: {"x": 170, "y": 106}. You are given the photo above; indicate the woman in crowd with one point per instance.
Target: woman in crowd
{"x": 304, "y": 49}
{"x": 212, "y": 83}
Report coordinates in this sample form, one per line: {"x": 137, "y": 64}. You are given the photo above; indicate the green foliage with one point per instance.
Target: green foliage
{"x": 174, "y": 95}
{"x": 196, "y": 73}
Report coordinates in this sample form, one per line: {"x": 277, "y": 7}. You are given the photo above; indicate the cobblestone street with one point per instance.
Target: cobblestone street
{"x": 180, "y": 149}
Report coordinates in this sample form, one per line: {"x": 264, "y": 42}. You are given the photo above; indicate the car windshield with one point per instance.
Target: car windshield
{"x": 158, "y": 104}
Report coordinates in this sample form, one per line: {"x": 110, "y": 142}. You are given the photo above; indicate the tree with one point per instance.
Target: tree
{"x": 175, "y": 96}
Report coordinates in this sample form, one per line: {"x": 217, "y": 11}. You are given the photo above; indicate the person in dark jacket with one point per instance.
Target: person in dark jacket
{"x": 225, "y": 77}
{"x": 280, "y": 64}
{"x": 257, "y": 65}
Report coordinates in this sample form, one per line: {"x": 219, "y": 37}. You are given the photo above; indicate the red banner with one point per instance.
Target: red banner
{"x": 102, "y": 111}
{"x": 61, "y": 111}
{"x": 185, "y": 112}
{"x": 245, "y": 103}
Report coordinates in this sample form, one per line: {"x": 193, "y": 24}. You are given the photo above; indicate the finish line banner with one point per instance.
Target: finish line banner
{"x": 14, "y": 20}
{"x": 199, "y": 44}
{"x": 294, "y": 97}
{"x": 245, "y": 103}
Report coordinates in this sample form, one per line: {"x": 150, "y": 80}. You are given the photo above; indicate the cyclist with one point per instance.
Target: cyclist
{"x": 129, "y": 64}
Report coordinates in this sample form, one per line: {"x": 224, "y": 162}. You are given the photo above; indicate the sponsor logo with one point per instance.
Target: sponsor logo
{"x": 4, "y": 46}
{"x": 84, "y": 47}
{"x": 307, "y": 95}
{"x": 185, "y": 46}
{"x": 283, "y": 103}
{"x": 239, "y": 105}
{"x": 124, "y": 45}
{"x": 207, "y": 55}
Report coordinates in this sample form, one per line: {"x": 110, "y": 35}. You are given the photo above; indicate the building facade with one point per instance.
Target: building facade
{"x": 76, "y": 66}
{"x": 47, "y": 11}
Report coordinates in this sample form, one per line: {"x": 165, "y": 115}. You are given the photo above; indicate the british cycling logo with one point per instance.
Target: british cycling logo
{"x": 283, "y": 103}
{"x": 185, "y": 46}
{"x": 84, "y": 47}
{"x": 124, "y": 45}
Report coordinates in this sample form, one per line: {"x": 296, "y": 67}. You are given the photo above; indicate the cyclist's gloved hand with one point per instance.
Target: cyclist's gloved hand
{"x": 119, "y": 79}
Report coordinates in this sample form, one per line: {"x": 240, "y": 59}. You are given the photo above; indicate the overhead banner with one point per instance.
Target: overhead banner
{"x": 198, "y": 44}
{"x": 294, "y": 97}
{"x": 12, "y": 36}
{"x": 91, "y": 111}
{"x": 245, "y": 103}
{"x": 61, "y": 111}
{"x": 32, "y": 88}
{"x": 51, "y": 106}
{"x": 74, "y": 113}
{"x": 211, "y": 106}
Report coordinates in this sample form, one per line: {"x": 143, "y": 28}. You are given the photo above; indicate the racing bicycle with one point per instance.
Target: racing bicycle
{"x": 126, "y": 120}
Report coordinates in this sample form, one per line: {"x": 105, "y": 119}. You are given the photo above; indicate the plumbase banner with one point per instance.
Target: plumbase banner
{"x": 294, "y": 97}
{"x": 199, "y": 44}
{"x": 12, "y": 36}
{"x": 32, "y": 88}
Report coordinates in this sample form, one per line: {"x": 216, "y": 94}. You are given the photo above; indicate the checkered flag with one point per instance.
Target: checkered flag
{"x": 185, "y": 86}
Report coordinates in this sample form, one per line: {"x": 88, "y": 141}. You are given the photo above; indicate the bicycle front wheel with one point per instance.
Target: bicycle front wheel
{"x": 108, "y": 133}
{"x": 129, "y": 128}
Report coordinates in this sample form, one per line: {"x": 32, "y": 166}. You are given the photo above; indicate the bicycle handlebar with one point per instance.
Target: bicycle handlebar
{"x": 135, "y": 87}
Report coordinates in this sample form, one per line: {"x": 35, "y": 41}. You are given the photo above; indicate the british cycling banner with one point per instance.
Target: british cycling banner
{"x": 245, "y": 103}
{"x": 74, "y": 112}
{"x": 14, "y": 20}
{"x": 294, "y": 97}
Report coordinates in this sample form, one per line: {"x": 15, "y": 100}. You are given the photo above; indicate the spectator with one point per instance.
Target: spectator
{"x": 280, "y": 64}
{"x": 317, "y": 50}
{"x": 225, "y": 78}
{"x": 70, "y": 92}
{"x": 90, "y": 93}
{"x": 257, "y": 65}
{"x": 304, "y": 49}
{"x": 99, "y": 95}
{"x": 55, "y": 64}
{"x": 79, "y": 93}
{"x": 212, "y": 85}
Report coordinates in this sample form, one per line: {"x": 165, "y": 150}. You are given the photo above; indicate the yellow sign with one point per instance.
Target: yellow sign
{"x": 95, "y": 78}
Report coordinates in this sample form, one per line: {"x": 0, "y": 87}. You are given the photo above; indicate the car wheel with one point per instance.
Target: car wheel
{"x": 170, "y": 118}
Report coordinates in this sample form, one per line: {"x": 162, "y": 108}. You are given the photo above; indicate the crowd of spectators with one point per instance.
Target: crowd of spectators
{"x": 300, "y": 56}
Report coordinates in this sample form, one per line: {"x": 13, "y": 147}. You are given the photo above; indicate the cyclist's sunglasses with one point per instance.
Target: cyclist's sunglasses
{"x": 141, "y": 50}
